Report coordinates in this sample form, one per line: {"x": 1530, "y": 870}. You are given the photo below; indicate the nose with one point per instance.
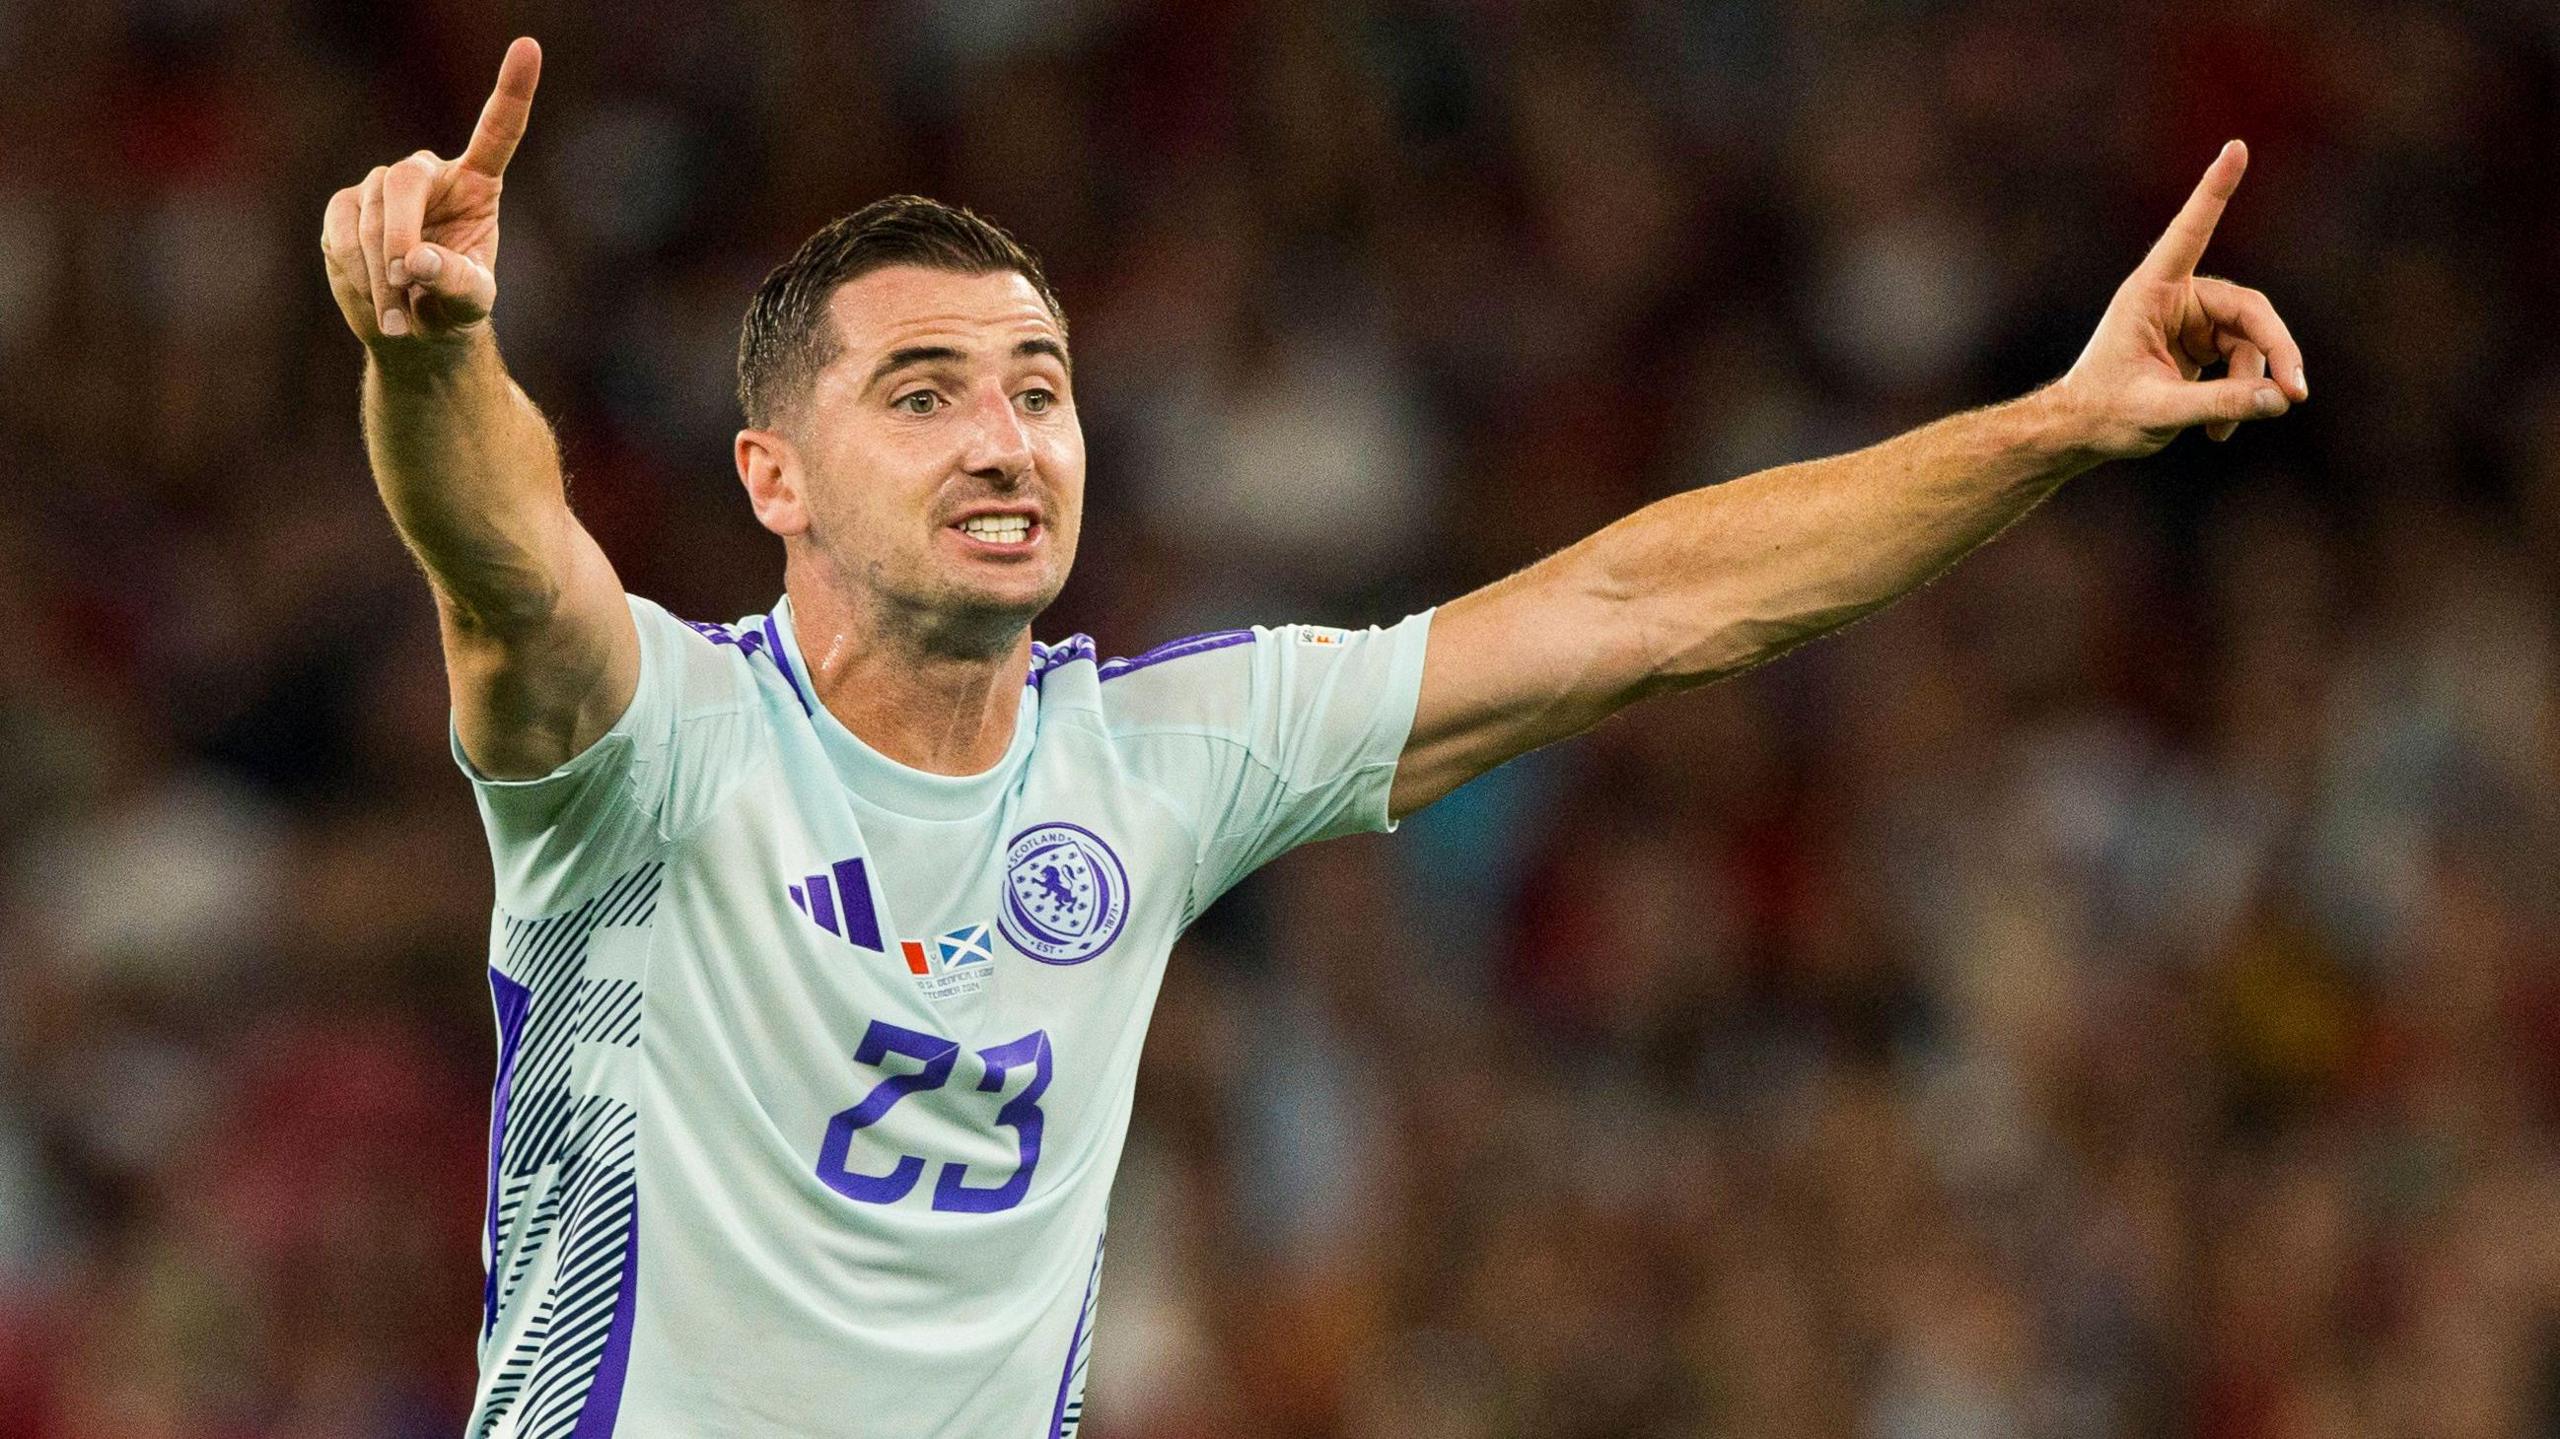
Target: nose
{"x": 998, "y": 447}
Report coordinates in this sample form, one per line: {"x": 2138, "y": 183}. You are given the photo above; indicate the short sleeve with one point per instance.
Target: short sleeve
{"x": 663, "y": 766}
{"x": 1289, "y": 735}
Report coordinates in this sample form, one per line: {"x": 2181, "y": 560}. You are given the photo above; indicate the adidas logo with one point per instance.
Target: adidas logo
{"x": 839, "y": 902}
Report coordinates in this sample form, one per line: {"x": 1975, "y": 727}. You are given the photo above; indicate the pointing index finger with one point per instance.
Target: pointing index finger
{"x": 510, "y": 107}
{"x": 2181, "y": 247}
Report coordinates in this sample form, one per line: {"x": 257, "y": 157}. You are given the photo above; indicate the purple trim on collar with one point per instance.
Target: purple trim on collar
{"x": 766, "y": 641}
{"x": 1045, "y": 658}
{"x": 782, "y": 662}
{"x": 1175, "y": 650}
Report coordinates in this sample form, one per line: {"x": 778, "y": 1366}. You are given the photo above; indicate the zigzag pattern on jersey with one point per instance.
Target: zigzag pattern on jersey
{"x": 566, "y": 1196}
{"x": 1068, "y": 1417}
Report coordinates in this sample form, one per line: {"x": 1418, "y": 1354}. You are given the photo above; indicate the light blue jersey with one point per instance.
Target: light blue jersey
{"x": 813, "y": 1069}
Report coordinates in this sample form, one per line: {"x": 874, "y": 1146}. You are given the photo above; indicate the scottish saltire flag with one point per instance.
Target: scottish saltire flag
{"x": 970, "y": 944}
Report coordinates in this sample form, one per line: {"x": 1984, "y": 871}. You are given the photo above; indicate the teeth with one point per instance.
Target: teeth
{"x": 1002, "y": 529}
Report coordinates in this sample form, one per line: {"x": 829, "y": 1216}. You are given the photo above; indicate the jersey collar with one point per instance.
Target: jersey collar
{"x": 882, "y": 781}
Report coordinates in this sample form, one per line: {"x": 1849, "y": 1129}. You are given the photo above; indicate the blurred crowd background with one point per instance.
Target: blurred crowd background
{"x": 2113, "y": 993}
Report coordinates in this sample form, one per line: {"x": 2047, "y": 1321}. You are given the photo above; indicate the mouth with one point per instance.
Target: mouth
{"x": 999, "y": 532}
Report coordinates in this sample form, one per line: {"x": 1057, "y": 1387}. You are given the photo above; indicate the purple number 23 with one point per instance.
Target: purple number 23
{"x": 951, "y": 1190}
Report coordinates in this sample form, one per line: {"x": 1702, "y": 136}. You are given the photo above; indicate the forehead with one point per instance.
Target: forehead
{"x": 904, "y": 305}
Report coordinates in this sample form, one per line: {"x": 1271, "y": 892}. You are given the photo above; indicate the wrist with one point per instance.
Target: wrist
{"x": 412, "y": 361}
{"x": 2060, "y": 430}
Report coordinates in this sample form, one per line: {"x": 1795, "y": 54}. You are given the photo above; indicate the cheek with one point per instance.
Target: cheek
{"x": 831, "y": 503}
{"x": 1063, "y": 465}
{"x": 867, "y": 489}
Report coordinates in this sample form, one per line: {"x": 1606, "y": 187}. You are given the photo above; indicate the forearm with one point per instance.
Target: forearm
{"x": 1716, "y": 580}
{"x": 471, "y": 475}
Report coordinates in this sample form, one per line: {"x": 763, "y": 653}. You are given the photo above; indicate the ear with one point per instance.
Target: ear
{"x": 770, "y": 469}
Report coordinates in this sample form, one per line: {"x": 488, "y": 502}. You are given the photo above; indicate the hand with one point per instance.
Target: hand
{"x": 413, "y": 251}
{"x": 2135, "y": 387}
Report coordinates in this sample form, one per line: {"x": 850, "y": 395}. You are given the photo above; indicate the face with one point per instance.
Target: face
{"x": 937, "y": 468}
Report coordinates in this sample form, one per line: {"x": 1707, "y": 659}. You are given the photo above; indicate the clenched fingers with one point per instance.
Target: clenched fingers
{"x": 2237, "y": 309}
{"x": 2248, "y": 362}
{"x": 406, "y": 188}
{"x": 387, "y": 314}
{"x": 463, "y": 288}
{"x": 338, "y": 234}
{"x": 345, "y": 256}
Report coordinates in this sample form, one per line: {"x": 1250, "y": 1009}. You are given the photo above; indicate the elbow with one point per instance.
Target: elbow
{"x": 498, "y": 609}
{"x": 497, "y": 584}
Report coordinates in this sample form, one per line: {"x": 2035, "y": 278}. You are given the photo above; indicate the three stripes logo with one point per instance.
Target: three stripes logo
{"x": 839, "y": 902}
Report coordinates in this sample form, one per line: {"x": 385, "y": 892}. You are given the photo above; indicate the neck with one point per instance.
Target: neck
{"x": 906, "y": 691}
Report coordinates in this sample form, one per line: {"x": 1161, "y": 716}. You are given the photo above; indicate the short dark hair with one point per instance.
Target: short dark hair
{"x": 786, "y": 340}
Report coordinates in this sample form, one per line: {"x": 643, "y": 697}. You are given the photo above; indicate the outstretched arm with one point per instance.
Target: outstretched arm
{"x": 540, "y": 651}
{"x": 1711, "y": 582}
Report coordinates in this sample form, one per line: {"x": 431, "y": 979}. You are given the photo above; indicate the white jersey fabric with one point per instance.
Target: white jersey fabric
{"x": 814, "y": 1069}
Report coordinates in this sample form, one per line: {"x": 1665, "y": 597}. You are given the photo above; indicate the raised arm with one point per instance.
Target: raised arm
{"x": 540, "y": 651}
{"x": 1711, "y": 582}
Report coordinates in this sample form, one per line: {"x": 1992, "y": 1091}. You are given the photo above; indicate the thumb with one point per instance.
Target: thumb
{"x": 463, "y": 288}
{"x": 2232, "y": 399}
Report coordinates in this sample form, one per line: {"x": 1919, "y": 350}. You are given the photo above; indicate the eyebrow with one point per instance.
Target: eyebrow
{"x": 897, "y": 360}
{"x": 900, "y": 359}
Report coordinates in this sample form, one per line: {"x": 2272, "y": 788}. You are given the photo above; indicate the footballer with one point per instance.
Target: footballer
{"x": 825, "y": 939}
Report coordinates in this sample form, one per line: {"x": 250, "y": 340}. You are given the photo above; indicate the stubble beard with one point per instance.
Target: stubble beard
{"x": 934, "y": 615}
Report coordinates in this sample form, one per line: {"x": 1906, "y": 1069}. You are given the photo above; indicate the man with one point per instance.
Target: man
{"x": 825, "y": 941}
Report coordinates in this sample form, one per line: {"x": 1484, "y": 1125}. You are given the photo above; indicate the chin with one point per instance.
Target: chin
{"x": 1022, "y": 595}
{"x": 996, "y": 614}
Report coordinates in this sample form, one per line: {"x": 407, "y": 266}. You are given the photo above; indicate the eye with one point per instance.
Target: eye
{"x": 1038, "y": 402}
{"x": 917, "y": 402}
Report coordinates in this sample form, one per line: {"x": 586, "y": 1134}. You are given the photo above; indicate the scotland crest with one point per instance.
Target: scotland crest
{"x": 1065, "y": 894}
